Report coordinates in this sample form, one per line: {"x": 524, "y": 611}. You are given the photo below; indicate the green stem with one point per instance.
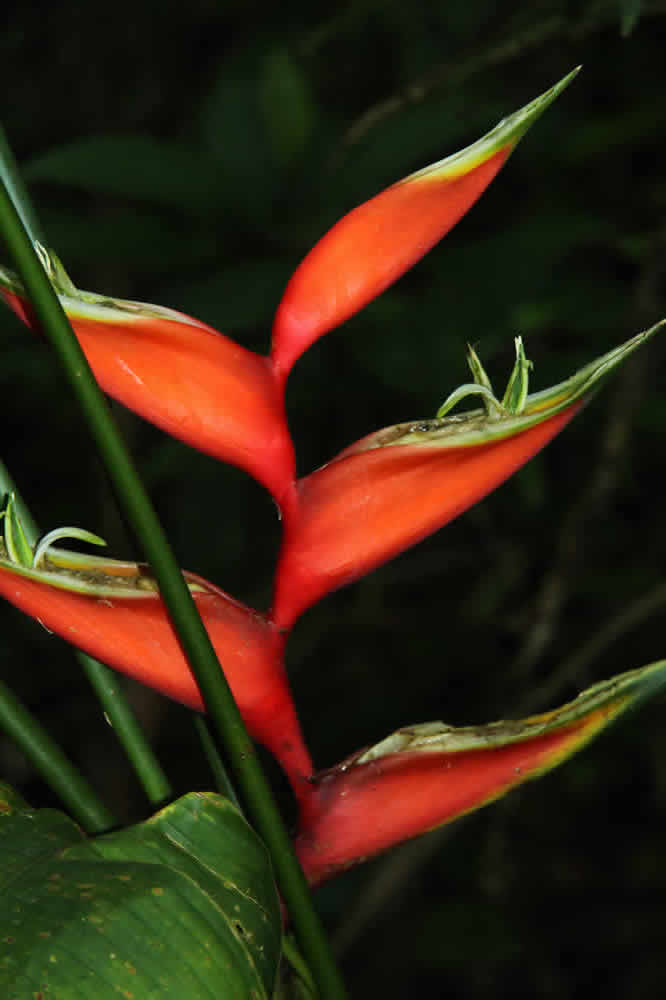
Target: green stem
{"x": 194, "y": 639}
{"x": 220, "y": 776}
{"x": 11, "y": 178}
{"x": 295, "y": 959}
{"x": 130, "y": 735}
{"x": 48, "y": 760}
{"x": 105, "y": 684}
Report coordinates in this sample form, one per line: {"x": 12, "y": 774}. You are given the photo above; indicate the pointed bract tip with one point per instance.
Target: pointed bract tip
{"x": 379, "y": 240}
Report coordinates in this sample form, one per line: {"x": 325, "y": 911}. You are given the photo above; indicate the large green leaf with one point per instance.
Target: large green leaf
{"x": 182, "y": 905}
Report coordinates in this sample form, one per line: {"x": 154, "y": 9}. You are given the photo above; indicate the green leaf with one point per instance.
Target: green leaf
{"x": 131, "y": 166}
{"x": 630, "y": 12}
{"x": 288, "y": 105}
{"x": 182, "y": 905}
{"x": 235, "y": 135}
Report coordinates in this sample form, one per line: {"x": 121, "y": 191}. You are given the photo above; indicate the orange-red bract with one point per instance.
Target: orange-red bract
{"x": 134, "y": 635}
{"x": 375, "y": 806}
{"x": 367, "y": 250}
{"x": 424, "y": 776}
{"x": 375, "y": 243}
{"x": 366, "y": 506}
{"x": 190, "y": 380}
{"x": 398, "y": 485}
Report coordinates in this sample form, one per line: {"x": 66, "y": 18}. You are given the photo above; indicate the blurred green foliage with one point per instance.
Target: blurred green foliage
{"x": 190, "y": 155}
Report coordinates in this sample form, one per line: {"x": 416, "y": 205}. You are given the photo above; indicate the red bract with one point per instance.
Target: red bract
{"x": 185, "y": 377}
{"x": 362, "y": 509}
{"x": 118, "y": 617}
{"x": 422, "y": 777}
{"x": 395, "y": 487}
{"x": 377, "y": 242}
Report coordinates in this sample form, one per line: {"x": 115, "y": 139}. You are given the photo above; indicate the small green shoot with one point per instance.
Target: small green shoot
{"x": 516, "y": 391}
{"x": 18, "y": 547}
{"x": 52, "y": 536}
{"x": 515, "y": 396}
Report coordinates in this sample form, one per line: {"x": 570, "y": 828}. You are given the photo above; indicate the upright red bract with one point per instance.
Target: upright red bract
{"x": 377, "y": 242}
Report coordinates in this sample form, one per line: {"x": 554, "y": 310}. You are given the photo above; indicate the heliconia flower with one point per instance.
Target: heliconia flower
{"x": 424, "y": 776}
{"x": 185, "y": 377}
{"x": 398, "y": 485}
{"x": 112, "y": 610}
{"x": 372, "y": 246}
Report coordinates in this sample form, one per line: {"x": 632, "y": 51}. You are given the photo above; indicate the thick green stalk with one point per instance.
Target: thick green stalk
{"x": 105, "y": 684}
{"x": 183, "y": 613}
{"x": 48, "y": 760}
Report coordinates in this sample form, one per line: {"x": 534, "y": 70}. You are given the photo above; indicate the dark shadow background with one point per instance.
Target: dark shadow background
{"x": 189, "y": 155}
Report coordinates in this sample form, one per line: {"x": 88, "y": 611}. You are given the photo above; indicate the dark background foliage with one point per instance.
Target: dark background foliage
{"x": 190, "y": 155}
